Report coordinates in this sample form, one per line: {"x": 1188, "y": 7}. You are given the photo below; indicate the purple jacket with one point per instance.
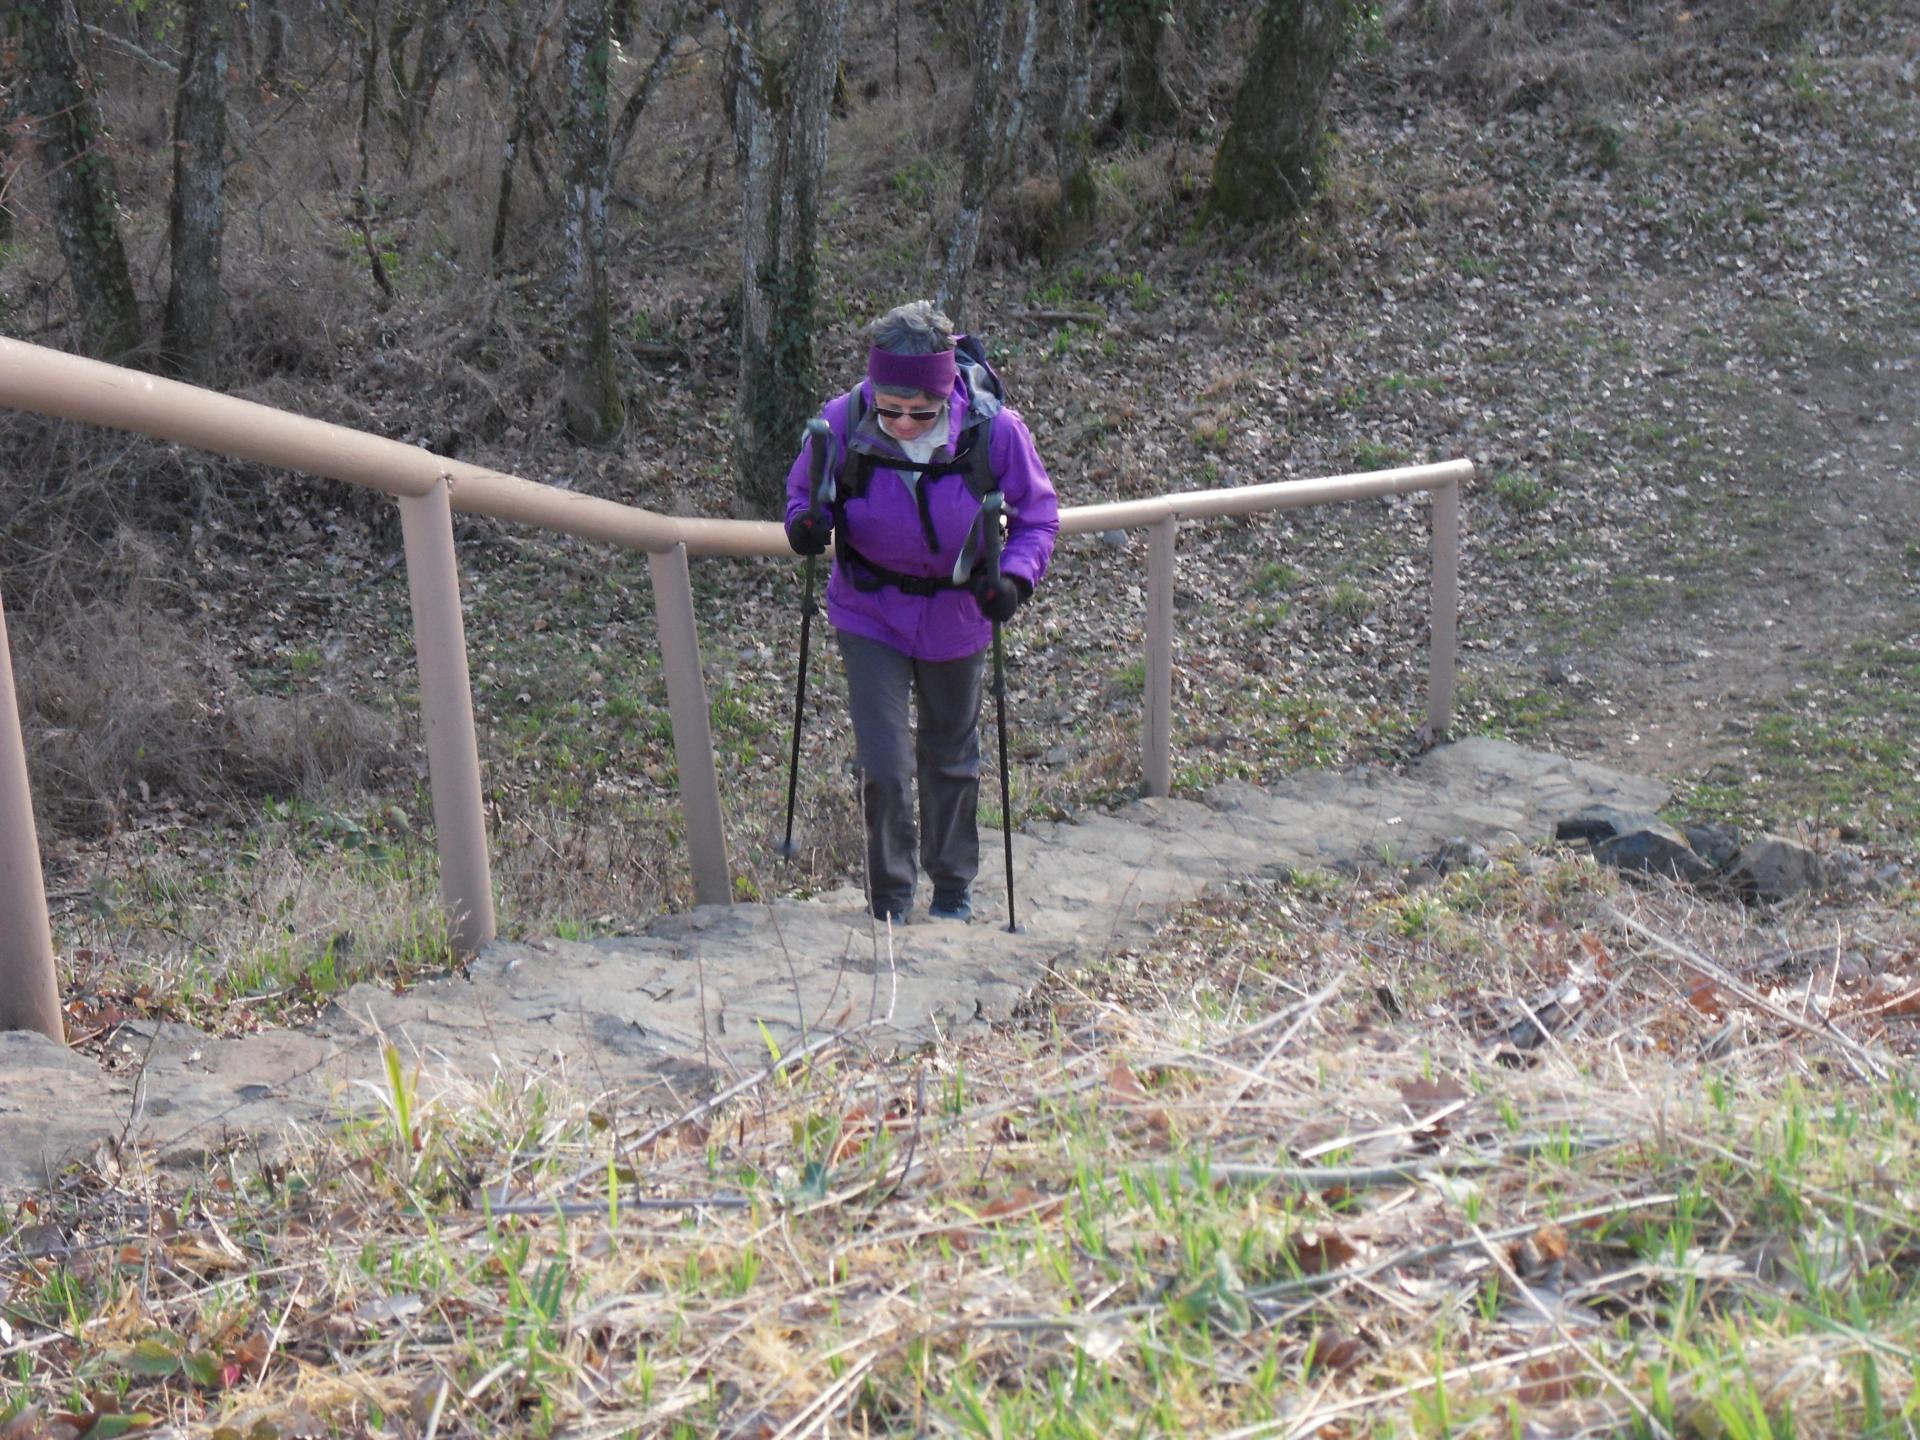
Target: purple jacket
{"x": 885, "y": 525}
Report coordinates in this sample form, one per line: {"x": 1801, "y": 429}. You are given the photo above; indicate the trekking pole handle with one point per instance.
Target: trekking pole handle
{"x": 990, "y": 510}
{"x": 819, "y": 442}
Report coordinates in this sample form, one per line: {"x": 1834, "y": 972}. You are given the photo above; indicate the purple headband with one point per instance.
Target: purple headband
{"x": 931, "y": 374}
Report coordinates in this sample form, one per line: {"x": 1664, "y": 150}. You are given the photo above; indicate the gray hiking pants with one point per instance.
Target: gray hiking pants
{"x": 944, "y": 754}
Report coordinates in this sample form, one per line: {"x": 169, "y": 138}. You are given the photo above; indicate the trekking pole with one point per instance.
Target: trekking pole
{"x": 819, "y": 438}
{"x": 990, "y": 509}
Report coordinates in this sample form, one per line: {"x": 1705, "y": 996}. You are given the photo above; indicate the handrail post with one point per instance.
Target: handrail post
{"x": 1446, "y": 608}
{"x": 446, "y": 709}
{"x": 29, "y": 993}
{"x": 1156, "y": 739}
{"x": 692, "y": 727}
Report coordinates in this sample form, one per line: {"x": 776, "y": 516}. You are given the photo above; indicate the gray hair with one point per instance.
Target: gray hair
{"x": 915, "y": 328}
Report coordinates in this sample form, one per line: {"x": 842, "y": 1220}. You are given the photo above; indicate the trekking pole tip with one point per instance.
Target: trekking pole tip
{"x": 787, "y": 849}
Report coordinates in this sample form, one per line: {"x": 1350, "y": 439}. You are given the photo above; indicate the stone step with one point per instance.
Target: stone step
{"x": 638, "y": 1017}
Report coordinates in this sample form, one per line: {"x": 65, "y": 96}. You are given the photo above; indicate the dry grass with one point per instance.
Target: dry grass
{"x": 1212, "y": 1189}
{"x": 125, "y": 703}
{"x": 260, "y": 931}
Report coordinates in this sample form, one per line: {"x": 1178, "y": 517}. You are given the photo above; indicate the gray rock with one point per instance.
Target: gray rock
{"x": 1773, "y": 868}
{"x": 1656, "y": 849}
{"x": 1636, "y": 840}
{"x": 1459, "y": 853}
{"x": 1595, "y": 823}
{"x": 1715, "y": 843}
{"x": 1847, "y": 871}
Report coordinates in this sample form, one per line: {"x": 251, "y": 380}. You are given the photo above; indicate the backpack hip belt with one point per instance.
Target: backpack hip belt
{"x": 867, "y": 577}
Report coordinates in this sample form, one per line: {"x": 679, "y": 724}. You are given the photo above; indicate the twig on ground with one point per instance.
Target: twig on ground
{"x": 1315, "y": 1421}
{"x": 793, "y": 973}
{"x": 1360, "y": 1177}
{"x": 1302, "y": 1013}
{"x": 1866, "y": 1063}
{"x": 714, "y": 1102}
{"x": 1587, "y": 1357}
{"x": 1422, "y": 1253}
{"x": 1063, "y": 316}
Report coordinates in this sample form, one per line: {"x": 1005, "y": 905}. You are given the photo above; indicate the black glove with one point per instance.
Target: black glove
{"x": 807, "y": 533}
{"x": 998, "y": 599}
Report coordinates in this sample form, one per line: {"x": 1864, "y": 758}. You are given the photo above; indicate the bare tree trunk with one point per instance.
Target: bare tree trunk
{"x": 363, "y": 207}
{"x": 79, "y": 175}
{"x": 636, "y": 105}
{"x": 190, "y": 332}
{"x": 522, "y": 77}
{"x": 1146, "y": 105}
{"x": 590, "y": 386}
{"x": 1073, "y": 135}
{"x": 410, "y": 93}
{"x": 9, "y": 156}
{"x": 279, "y": 28}
{"x": 994, "y": 127}
{"x": 417, "y": 79}
{"x": 1020, "y": 96}
{"x": 989, "y": 54}
{"x": 780, "y": 108}
{"x": 1268, "y": 166}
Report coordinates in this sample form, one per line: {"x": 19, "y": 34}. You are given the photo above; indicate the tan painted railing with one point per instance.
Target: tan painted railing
{"x": 429, "y": 488}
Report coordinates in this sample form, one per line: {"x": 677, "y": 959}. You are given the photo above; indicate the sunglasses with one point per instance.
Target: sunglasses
{"x": 919, "y": 417}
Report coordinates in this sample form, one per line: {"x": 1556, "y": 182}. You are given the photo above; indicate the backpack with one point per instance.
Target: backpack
{"x": 973, "y": 463}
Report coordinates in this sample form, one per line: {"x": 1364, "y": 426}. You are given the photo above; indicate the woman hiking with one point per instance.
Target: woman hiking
{"x": 917, "y": 447}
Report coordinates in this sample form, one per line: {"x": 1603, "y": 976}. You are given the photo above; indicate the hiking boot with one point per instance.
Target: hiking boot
{"x": 951, "y": 907}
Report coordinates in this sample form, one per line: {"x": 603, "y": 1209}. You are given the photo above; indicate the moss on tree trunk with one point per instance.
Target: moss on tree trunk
{"x": 780, "y": 109}
{"x": 1269, "y": 165}
{"x": 79, "y": 177}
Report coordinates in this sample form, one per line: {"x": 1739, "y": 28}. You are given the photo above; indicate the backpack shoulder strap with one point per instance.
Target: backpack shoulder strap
{"x": 981, "y": 481}
{"x": 857, "y": 469}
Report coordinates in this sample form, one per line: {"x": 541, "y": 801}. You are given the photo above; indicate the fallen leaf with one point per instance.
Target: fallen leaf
{"x": 1430, "y": 1095}
{"x": 1023, "y": 1201}
{"x": 1705, "y": 997}
{"x": 1327, "y": 1250}
{"x": 1548, "y": 1380}
{"x": 156, "y": 1356}
{"x": 1123, "y": 1084}
{"x": 1335, "y": 1352}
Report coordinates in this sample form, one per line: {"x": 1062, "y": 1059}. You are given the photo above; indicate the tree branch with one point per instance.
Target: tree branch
{"x": 132, "y": 49}
{"x": 637, "y": 102}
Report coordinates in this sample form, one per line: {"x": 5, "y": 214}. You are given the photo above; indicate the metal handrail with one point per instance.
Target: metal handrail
{"x": 430, "y": 487}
